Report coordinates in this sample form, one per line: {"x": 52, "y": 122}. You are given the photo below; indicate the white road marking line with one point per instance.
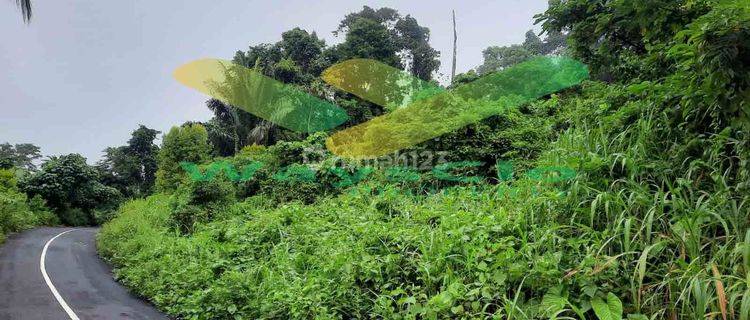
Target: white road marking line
{"x": 51, "y": 286}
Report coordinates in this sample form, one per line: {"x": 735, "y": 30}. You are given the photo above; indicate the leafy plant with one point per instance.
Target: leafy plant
{"x": 609, "y": 310}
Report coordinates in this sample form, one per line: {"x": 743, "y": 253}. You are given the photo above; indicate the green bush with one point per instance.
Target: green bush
{"x": 101, "y": 217}
{"x": 44, "y": 215}
{"x": 69, "y": 183}
{"x": 199, "y": 201}
{"x": 14, "y": 213}
{"x": 76, "y": 217}
{"x": 17, "y": 212}
{"x": 186, "y": 143}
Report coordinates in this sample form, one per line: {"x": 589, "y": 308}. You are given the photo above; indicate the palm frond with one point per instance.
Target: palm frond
{"x": 25, "y": 6}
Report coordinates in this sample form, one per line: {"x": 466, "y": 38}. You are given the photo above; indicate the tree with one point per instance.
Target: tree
{"x": 7, "y": 156}
{"x": 119, "y": 170}
{"x": 224, "y": 129}
{"x": 407, "y": 42}
{"x": 21, "y": 155}
{"x": 622, "y": 40}
{"x": 6, "y": 163}
{"x": 464, "y": 78}
{"x": 367, "y": 38}
{"x": 301, "y": 47}
{"x": 386, "y": 36}
{"x": 261, "y": 57}
{"x": 187, "y": 143}
{"x": 414, "y": 42}
{"x": 72, "y": 188}
{"x": 455, "y": 42}
{"x": 141, "y": 145}
{"x": 131, "y": 168}
{"x": 498, "y": 58}
{"x": 556, "y": 42}
{"x": 296, "y": 59}
{"x": 300, "y": 57}
{"x": 533, "y": 43}
{"x": 386, "y": 16}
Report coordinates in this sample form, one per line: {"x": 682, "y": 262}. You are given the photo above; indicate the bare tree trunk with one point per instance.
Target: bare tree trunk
{"x": 455, "y": 39}
{"x": 236, "y": 120}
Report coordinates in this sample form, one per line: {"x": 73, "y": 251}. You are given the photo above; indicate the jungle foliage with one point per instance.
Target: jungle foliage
{"x": 653, "y": 226}
{"x": 17, "y": 211}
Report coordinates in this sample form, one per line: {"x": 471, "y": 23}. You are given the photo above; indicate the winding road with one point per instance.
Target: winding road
{"x": 55, "y": 274}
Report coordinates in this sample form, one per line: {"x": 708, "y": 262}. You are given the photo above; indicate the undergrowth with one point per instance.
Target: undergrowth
{"x": 654, "y": 225}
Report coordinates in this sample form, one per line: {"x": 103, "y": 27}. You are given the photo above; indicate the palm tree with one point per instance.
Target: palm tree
{"x": 25, "y": 6}
{"x": 227, "y": 116}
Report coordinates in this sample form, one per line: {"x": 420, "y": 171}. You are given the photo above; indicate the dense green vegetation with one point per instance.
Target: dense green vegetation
{"x": 236, "y": 218}
{"x": 17, "y": 211}
{"x": 655, "y": 224}
{"x": 76, "y": 193}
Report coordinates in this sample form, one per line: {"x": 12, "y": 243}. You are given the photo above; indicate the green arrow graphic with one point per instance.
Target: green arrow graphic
{"x": 432, "y": 112}
{"x": 421, "y": 110}
{"x": 247, "y": 89}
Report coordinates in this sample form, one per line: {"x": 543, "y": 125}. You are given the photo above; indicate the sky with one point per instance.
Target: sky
{"x": 85, "y": 73}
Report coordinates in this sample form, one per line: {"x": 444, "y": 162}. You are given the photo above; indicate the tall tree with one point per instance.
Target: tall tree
{"x": 414, "y": 46}
{"x": 301, "y": 47}
{"x": 622, "y": 40}
{"x": 300, "y": 57}
{"x": 368, "y": 38}
{"x": 406, "y": 39}
{"x": 142, "y": 146}
{"x": 497, "y": 58}
{"x": 20, "y": 155}
{"x": 189, "y": 143}
{"x": 120, "y": 170}
{"x": 67, "y": 183}
{"x": 5, "y": 163}
{"x": 132, "y": 168}
{"x": 455, "y": 40}
{"x": 225, "y": 127}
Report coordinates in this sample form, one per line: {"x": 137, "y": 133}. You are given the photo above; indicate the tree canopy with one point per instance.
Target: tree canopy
{"x": 300, "y": 57}
{"x": 132, "y": 168}
{"x": 20, "y": 155}
{"x": 72, "y": 188}
{"x": 498, "y": 58}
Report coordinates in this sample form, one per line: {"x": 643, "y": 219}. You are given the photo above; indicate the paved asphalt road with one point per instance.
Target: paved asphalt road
{"x": 82, "y": 280}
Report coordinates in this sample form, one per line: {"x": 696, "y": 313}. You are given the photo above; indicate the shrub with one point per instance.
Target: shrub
{"x": 76, "y": 217}
{"x": 101, "y": 217}
{"x": 188, "y": 143}
{"x": 67, "y": 182}
{"x": 44, "y": 215}
{"x": 14, "y": 213}
{"x": 198, "y": 201}
{"x": 17, "y": 212}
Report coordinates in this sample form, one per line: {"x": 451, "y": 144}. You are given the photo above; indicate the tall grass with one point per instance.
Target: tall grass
{"x": 650, "y": 220}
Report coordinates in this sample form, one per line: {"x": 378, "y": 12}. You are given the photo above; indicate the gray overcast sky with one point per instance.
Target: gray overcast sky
{"x": 85, "y": 73}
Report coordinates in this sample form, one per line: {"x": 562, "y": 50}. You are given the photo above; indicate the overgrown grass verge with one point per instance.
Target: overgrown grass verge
{"x": 527, "y": 252}
{"x": 639, "y": 227}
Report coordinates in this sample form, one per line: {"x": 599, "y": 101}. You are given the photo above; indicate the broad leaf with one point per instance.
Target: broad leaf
{"x": 610, "y": 310}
